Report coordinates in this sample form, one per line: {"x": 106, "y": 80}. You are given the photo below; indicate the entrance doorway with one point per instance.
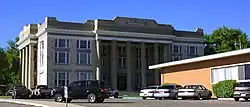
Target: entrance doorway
{"x": 122, "y": 82}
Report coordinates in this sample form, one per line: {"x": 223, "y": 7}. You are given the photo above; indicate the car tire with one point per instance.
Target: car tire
{"x": 175, "y": 97}
{"x": 246, "y": 99}
{"x": 209, "y": 96}
{"x": 144, "y": 98}
{"x": 160, "y": 98}
{"x": 92, "y": 98}
{"x": 198, "y": 97}
{"x": 116, "y": 95}
{"x": 236, "y": 99}
{"x": 58, "y": 97}
{"x": 100, "y": 100}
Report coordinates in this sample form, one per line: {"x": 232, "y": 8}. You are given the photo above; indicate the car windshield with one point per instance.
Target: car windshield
{"x": 42, "y": 87}
{"x": 151, "y": 87}
{"x": 20, "y": 87}
{"x": 166, "y": 87}
{"x": 243, "y": 84}
{"x": 96, "y": 84}
{"x": 190, "y": 87}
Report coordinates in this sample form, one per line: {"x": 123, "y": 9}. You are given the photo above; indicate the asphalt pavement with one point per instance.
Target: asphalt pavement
{"x": 4, "y": 104}
{"x": 163, "y": 103}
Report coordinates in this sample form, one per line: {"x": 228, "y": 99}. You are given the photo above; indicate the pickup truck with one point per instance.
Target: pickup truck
{"x": 20, "y": 92}
{"x": 92, "y": 90}
{"x": 41, "y": 91}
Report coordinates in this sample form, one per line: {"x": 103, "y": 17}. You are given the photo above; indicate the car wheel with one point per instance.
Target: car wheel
{"x": 246, "y": 99}
{"x": 159, "y": 98}
{"x": 100, "y": 100}
{"x": 92, "y": 98}
{"x": 175, "y": 97}
{"x": 209, "y": 96}
{"x": 116, "y": 95}
{"x": 198, "y": 97}
{"x": 236, "y": 99}
{"x": 144, "y": 98}
{"x": 58, "y": 97}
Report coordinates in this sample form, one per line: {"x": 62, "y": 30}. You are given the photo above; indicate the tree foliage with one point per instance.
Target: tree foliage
{"x": 9, "y": 63}
{"x": 226, "y": 39}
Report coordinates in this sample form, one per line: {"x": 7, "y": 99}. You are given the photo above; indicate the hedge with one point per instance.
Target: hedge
{"x": 224, "y": 89}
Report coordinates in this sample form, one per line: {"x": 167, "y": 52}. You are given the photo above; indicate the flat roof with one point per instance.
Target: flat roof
{"x": 202, "y": 58}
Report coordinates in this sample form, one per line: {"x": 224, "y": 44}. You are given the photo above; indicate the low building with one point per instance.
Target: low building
{"x": 207, "y": 70}
{"x": 118, "y": 51}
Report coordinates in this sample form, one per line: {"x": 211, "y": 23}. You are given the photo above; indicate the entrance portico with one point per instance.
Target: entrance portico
{"x": 27, "y": 48}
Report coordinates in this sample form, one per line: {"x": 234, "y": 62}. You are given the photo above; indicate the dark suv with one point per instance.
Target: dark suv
{"x": 92, "y": 90}
{"x": 242, "y": 90}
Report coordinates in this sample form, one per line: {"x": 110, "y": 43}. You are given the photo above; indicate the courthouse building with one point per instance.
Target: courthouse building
{"x": 118, "y": 51}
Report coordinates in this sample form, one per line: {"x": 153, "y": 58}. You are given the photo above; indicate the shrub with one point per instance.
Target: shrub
{"x": 224, "y": 89}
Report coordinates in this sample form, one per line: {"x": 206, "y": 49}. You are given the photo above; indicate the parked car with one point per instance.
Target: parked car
{"x": 194, "y": 91}
{"x": 20, "y": 92}
{"x": 148, "y": 92}
{"x": 167, "y": 91}
{"x": 41, "y": 91}
{"x": 92, "y": 90}
{"x": 112, "y": 92}
{"x": 242, "y": 90}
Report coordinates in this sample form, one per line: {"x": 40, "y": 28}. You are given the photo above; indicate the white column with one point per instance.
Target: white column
{"x": 26, "y": 65}
{"x": 31, "y": 67}
{"x": 143, "y": 66}
{"x": 113, "y": 65}
{"x": 156, "y": 61}
{"x": 128, "y": 64}
{"x": 98, "y": 65}
{"x": 23, "y": 66}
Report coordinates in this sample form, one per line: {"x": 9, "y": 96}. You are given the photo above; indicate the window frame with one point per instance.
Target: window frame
{"x": 88, "y": 58}
{"x": 79, "y": 74}
{"x": 66, "y": 59}
{"x": 57, "y": 43}
{"x": 66, "y": 78}
{"x": 123, "y": 62}
{"x": 88, "y": 44}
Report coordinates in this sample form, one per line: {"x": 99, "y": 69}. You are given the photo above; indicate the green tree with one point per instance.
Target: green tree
{"x": 227, "y": 39}
{"x": 12, "y": 54}
{"x": 3, "y": 68}
{"x": 209, "y": 45}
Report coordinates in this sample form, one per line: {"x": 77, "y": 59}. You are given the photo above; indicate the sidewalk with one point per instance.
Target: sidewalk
{"x": 38, "y": 103}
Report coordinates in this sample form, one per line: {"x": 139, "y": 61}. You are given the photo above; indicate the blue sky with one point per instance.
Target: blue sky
{"x": 182, "y": 14}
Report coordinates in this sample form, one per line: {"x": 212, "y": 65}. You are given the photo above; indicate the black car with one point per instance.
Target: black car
{"x": 92, "y": 90}
{"x": 20, "y": 92}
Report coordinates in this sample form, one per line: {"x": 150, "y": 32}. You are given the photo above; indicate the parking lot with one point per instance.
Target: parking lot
{"x": 161, "y": 103}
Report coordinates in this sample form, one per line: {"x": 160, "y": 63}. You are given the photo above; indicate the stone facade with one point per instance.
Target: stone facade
{"x": 117, "y": 51}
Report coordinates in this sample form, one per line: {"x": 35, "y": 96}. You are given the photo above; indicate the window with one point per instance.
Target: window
{"x": 122, "y": 50}
{"x": 102, "y": 62}
{"x": 41, "y": 53}
{"x": 138, "y": 62}
{"x": 147, "y": 61}
{"x": 103, "y": 50}
{"x": 147, "y": 52}
{"x": 61, "y": 78}
{"x": 122, "y": 62}
{"x": 176, "y": 49}
{"x": 83, "y": 44}
{"x": 84, "y": 75}
{"x": 83, "y": 58}
{"x": 62, "y": 57}
{"x": 226, "y": 73}
{"x": 138, "y": 52}
{"x": 192, "y": 49}
{"x": 61, "y": 43}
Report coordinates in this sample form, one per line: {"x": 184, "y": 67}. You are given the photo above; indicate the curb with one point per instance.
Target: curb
{"x": 21, "y": 102}
{"x": 227, "y": 99}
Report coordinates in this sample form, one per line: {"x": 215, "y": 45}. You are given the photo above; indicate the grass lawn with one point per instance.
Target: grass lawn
{"x": 5, "y": 97}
